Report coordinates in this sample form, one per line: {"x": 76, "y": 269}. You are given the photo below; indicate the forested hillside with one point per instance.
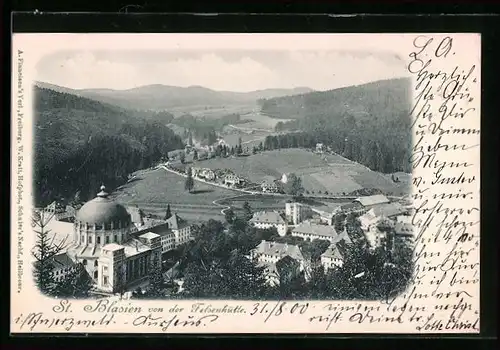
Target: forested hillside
{"x": 81, "y": 143}
{"x": 369, "y": 123}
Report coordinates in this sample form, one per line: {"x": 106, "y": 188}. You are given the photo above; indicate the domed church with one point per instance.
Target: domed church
{"x": 103, "y": 242}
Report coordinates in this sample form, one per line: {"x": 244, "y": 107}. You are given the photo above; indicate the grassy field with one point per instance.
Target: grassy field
{"x": 153, "y": 190}
{"x": 319, "y": 173}
{"x": 212, "y": 111}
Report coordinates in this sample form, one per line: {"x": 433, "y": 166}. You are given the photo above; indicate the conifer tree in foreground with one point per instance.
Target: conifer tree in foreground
{"x": 43, "y": 252}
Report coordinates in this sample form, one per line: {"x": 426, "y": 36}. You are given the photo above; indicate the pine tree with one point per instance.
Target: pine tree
{"x": 229, "y": 214}
{"x": 44, "y": 251}
{"x": 189, "y": 184}
{"x": 247, "y": 211}
{"x": 156, "y": 287}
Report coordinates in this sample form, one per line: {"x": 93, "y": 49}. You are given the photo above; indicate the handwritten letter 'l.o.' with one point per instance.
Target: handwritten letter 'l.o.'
{"x": 280, "y": 183}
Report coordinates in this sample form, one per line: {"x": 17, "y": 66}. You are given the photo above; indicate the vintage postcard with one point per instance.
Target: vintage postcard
{"x": 245, "y": 183}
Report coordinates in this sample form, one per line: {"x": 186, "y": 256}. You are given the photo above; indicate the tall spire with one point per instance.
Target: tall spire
{"x": 103, "y": 193}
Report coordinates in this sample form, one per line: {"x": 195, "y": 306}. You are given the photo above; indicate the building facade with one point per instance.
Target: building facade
{"x": 103, "y": 243}
{"x": 180, "y": 228}
{"x": 268, "y": 219}
{"x": 296, "y": 212}
{"x": 311, "y": 231}
{"x": 331, "y": 258}
{"x": 280, "y": 260}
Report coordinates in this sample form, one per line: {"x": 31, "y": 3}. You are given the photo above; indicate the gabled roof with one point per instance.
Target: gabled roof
{"x": 372, "y": 200}
{"x": 332, "y": 252}
{"x": 175, "y": 222}
{"x": 279, "y": 249}
{"x": 63, "y": 261}
{"x": 388, "y": 210}
{"x": 314, "y": 229}
{"x": 267, "y": 217}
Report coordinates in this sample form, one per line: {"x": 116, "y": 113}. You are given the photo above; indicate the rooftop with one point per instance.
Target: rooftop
{"x": 134, "y": 247}
{"x": 372, "y": 200}
{"x": 175, "y": 222}
{"x": 112, "y": 247}
{"x": 268, "y": 217}
{"x": 314, "y": 229}
{"x": 63, "y": 260}
{"x": 279, "y": 249}
{"x": 403, "y": 228}
{"x": 102, "y": 210}
{"x": 332, "y": 252}
{"x": 388, "y": 210}
{"x": 149, "y": 235}
{"x": 161, "y": 230}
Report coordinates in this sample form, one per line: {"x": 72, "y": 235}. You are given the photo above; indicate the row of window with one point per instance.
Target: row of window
{"x": 98, "y": 239}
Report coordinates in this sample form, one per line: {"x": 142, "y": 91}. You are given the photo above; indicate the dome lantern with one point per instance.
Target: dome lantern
{"x": 103, "y": 193}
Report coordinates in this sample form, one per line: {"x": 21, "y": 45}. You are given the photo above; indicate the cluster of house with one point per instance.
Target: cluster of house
{"x": 117, "y": 246}
{"x": 223, "y": 176}
{"x": 299, "y": 220}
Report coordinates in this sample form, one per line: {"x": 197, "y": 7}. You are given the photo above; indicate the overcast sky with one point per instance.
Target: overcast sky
{"x": 235, "y": 70}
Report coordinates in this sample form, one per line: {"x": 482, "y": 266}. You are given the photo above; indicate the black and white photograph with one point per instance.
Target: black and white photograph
{"x": 246, "y": 183}
{"x": 226, "y": 174}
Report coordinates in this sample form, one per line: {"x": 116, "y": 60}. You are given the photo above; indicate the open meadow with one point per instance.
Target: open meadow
{"x": 319, "y": 173}
{"x": 153, "y": 190}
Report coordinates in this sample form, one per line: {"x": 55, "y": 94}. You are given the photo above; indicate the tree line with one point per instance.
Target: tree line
{"x": 369, "y": 124}
{"x": 80, "y": 144}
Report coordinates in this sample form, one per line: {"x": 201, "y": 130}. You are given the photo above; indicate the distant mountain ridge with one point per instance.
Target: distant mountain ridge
{"x": 161, "y": 97}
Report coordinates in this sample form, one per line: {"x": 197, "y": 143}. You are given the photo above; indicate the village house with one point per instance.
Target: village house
{"x": 404, "y": 229}
{"x": 205, "y": 173}
{"x": 233, "y": 180}
{"x": 331, "y": 258}
{"x": 320, "y": 147}
{"x": 269, "y": 187}
{"x": 282, "y": 261}
{"x": 60, "y": 212}
{"x": 268, "y": 219}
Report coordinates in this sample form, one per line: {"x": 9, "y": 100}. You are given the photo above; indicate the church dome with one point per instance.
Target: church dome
{"x": 103, "y": 211}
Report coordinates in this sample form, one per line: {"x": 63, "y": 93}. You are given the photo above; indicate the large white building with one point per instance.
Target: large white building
{"x": 104, "y": 244}
{"x": 180, "y": 228}
{"x": 296, "y": 212}
{"x": 167, "y": 236}
{"x": 311, "y": 231}
{"x": 268, "y": 219}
